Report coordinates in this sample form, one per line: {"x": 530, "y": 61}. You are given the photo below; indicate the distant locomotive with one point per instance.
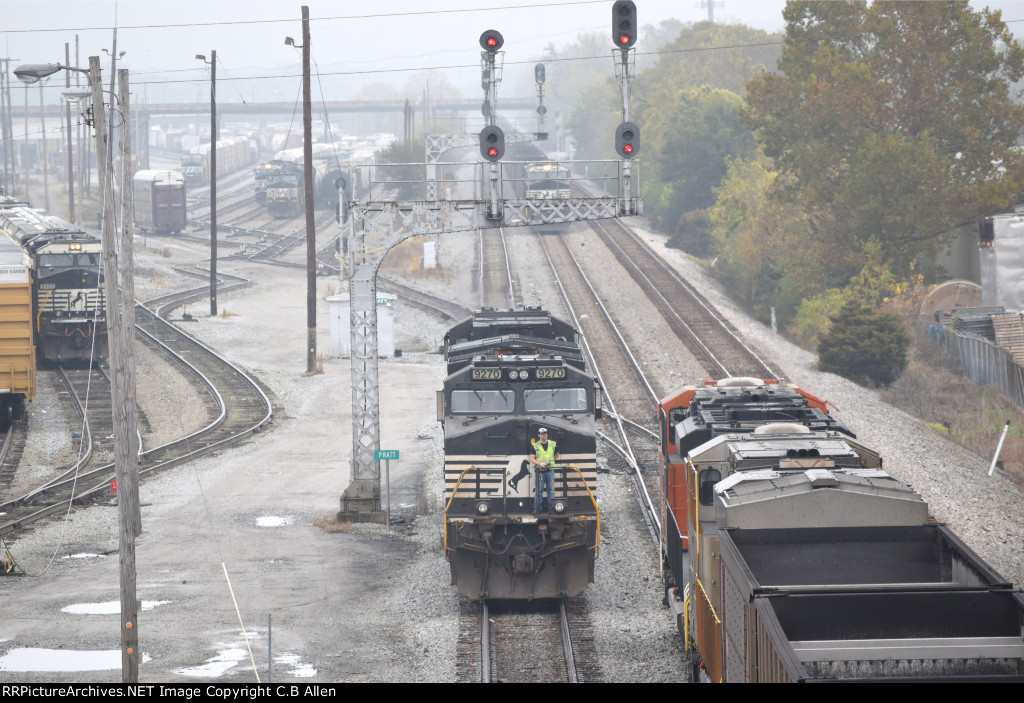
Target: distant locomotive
{"x": 69, "y": 301}
{"x": 280, "y": 184}
{"x": 510, "y": 373}
{"x": 158, "y": 198}
{"x": 545, "y": 183}
{"x": 808, "y": 562}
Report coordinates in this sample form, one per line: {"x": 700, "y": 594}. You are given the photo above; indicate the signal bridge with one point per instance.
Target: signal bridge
{"x": 375, "y": 226}
{"x": 497, "y": 200}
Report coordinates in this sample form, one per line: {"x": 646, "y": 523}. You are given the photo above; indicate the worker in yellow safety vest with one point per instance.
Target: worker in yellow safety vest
{"x": 544, "y": 456}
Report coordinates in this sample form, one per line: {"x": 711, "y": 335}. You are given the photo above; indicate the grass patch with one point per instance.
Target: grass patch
{"x": 972, "y": 415}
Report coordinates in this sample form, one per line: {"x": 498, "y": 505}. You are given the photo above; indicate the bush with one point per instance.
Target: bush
{"x": 865, "y": 345}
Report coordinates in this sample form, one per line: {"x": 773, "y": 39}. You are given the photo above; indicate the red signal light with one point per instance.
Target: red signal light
{"x": 624, "y": 40}
{"x": 628, "y": 148}
{"x": 491, "y": 41}
{"x": 492, "y": 151}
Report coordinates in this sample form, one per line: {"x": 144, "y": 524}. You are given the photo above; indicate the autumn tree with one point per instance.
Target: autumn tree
{"x": 892, "y": 122}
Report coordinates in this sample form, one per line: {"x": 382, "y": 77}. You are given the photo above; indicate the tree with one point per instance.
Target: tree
{"x": 689, "y": 135}
{"x": 887, "y": 120}
{"x": 865, "y": 345}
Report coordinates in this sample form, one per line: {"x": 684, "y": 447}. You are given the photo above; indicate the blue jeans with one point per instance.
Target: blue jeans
{"x": 547, "y": 487}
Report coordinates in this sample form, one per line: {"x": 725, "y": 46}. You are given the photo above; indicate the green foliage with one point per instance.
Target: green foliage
{"x": 597, "y": 111}
{"x": 885, "y": 120}
{"x": 693, "y": 234}
{"x": 813, "y": 319}
{"x": 764, "y": 245}
{"x": 688, "y": 136}
{"x": 687, "y": 109}
{"x": 865, "y": 345}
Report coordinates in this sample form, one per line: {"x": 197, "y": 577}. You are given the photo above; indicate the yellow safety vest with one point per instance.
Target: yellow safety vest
{"x": 545, "y": 457}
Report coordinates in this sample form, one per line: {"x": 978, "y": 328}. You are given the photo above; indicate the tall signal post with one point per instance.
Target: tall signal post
{"x": 627, "y": 134}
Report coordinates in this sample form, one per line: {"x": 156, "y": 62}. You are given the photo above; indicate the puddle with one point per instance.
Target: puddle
{"x": 298, "y": 669}
{"x": 35, "y": 659}
{"x": 273, "y": 521}
{"x": 109, "y": 608}
{"x": 225, "y": 660}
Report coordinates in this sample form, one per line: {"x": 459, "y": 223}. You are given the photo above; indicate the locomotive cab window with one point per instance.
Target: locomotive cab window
{"x": 708, "y": 479}
{"x": 483, "y": 402}
{"x": 56, "y": 260}
{"x": 88, "y": 260}
{"x": 555, "y": 399}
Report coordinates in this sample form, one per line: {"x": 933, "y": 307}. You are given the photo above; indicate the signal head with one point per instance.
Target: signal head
{"x": 491, "y": 41}
{"x": 624, "y": 23}
{"x": 627, "y": 140}
{"x": 538, "y": 73}
{"x": 492, "y": 143}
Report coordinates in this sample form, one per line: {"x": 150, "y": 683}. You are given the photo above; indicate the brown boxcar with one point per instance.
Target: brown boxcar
{"x": 159, "y": 198}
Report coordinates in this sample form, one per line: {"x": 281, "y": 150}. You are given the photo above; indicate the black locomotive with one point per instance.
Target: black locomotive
{"x": 69, "y": 299}
{"x": 511, "y": 373}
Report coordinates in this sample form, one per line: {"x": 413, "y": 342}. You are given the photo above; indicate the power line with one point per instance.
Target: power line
{"x": 321, "y": 19}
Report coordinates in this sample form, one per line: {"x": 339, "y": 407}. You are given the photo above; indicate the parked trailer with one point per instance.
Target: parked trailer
{"x": 159, "y": 198}
{"x": 17, "y": 348}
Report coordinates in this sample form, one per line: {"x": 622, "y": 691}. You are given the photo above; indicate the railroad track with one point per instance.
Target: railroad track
{"x": 235, "y": 405}
{"x": 542, "y": 641}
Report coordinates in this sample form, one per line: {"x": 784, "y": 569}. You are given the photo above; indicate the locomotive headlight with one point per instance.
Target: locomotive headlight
{"x": 559, "y": 506}
{"x": 482, "y": 508}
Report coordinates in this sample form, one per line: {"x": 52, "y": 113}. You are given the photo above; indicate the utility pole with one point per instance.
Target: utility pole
{"x": 214, "y": 136}
{"x": 121, "y": 330}
{"x": 307, "y": 168}
{"x": 213, "y": 179}
{"x": 46, "y": 166}
{"x": 24, "y": 165}
{"x": 3, "y": 120}
{"x": 67, "y": 148}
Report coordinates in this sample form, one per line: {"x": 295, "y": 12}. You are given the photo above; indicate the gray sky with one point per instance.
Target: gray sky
{"x": 353, "y": 43}
{"x": 388, "y": 40}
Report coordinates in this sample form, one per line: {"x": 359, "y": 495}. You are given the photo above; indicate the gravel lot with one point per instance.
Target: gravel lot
{"x": 368, "y": 603}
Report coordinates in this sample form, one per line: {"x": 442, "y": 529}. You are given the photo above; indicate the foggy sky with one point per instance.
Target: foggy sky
{"x": 354, "y": 43}
{"x": 388, "y": 47}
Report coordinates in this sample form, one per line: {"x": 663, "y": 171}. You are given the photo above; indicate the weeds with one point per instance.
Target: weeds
{"x": 972, "y": 415}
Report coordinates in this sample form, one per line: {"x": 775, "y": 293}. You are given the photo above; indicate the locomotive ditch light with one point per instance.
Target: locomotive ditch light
{"x": 482, "y": 508}
{"x": 559, "y": 506}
